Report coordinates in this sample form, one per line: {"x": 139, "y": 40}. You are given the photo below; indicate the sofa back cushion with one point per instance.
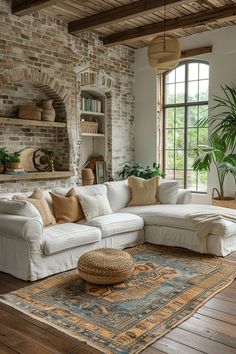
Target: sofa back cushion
{"x": 38, "y": 200}
{"x": 19, "y": 207}
{"x": 118, "y": 194}
{"x": 168, "y": 191}
{"x": 92, "y": 190}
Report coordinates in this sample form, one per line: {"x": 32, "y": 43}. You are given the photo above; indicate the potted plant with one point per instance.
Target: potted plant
{"x": 222, "y": 117}
{"x": 3, "y": 158}
{"x": 216, "y": 153}
{"x": 14, "y": 160}
{"x": 139, "y": 171}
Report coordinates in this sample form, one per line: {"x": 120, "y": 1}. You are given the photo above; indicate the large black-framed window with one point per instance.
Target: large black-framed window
{"x": 185, "y": 102}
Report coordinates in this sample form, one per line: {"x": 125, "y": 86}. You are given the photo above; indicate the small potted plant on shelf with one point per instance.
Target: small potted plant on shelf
{"x": 13, "y": 161}
{"x": 3, "y": 159}
{"x": 139, "y": 171}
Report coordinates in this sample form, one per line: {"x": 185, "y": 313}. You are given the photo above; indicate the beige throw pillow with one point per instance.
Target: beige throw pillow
{"x": 143, "y": 191}
{"x": 94, "y": 206}
{"x": 38, "y": 200}
{"x": 67, "y": 208}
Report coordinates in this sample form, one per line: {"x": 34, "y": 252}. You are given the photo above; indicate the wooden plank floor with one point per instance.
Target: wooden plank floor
{"x": 211, "y": 330}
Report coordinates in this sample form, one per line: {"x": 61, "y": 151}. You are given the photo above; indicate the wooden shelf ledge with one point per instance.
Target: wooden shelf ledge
{"x": 35, "y": 175}
{"x": 94, "y": 135}
{"x": 89, "y": 113}
{"x": 38, "y": 123}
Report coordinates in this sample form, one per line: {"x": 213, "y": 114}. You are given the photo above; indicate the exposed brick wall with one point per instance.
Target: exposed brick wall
{"x": 38, "y": 59}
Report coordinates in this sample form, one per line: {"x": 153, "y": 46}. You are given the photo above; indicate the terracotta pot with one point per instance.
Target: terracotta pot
{"x": 14, "y": 165}
{"x": 2, "y": 168}
{"x": 48, "y": 113}
{"x": 87, "y": 176}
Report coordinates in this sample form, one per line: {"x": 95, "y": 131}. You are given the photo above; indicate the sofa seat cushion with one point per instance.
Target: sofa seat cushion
{"x": 117, "y": 223}
{"x": 64, "y": 236}
{"x": 175, "y": 216}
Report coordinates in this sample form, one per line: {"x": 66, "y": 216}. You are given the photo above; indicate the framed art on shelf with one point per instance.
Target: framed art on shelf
{"x": 101, "y": 175}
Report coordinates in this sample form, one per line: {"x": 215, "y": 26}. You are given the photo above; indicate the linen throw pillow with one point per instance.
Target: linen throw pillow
{"x": 168, "y": 192}
{"x": 67, "y": 208}
{"x": 38, "y": 200}
{"x": 94, "y": 206}
{"x": 143, "y": 191}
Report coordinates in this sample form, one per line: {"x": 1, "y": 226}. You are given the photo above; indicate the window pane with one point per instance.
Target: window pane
{"x": 203, "y": 136}
{"x": 170, "y": 77}
{"x": 170, "y": 93}
{"x": 192, "y": 138}
{"x": 179, "y": 175}
{"x": 179, "y": 159}
{"x": 170, "y": 174}
{"x": 202, "y": 181}
{"x": 179, "y": 117}
{"x": 190, "y": 160}
{"x": 192, "y": 116}
{"x": 180, "y": 73}
{"x": 193, "y": 71}
{"x": 203, "y": 71}
{"x": 180, "y": 90}
{"x": 170, "y": 117}
{"x": 179, "y": 139}
{"x": 170, "y": 159}
{"x": 203, "y": 112}
{"x": 193, "y": 91}
{"x": 203, "y": 90}
{"x": 191, "y": 180}
{"x": 170, "y": 139}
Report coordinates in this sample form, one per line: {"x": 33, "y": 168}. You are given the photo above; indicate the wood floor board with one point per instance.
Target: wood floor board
{"x": 211, "y": 330}
{"x": 198, "y": 342}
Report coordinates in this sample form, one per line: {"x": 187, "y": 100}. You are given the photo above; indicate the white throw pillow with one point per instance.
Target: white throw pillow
{"x": 168, "y": 192}
{"x": 18, "y": 207}
{"x": 118, "y": 194}
{"x": 94, "y": 206}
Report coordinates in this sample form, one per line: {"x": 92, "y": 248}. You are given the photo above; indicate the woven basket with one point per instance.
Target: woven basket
{"x": 88, "y": 127}
{"x": 227, "y": 202}
{"x": 105, "y": 266}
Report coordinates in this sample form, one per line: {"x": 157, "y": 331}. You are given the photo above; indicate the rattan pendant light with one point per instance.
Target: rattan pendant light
{"x": 164, "y": 51}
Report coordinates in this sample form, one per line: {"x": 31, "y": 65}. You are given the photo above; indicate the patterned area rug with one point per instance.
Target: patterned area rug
{"x": 167, "y": 286}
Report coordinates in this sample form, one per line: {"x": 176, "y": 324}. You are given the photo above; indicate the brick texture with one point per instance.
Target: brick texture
{"x": 38, "y": 60}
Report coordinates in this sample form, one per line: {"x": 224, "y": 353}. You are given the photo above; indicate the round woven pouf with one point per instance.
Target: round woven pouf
{"x": 105, "y": 266}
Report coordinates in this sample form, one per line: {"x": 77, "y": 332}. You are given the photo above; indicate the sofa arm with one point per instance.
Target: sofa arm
{"x": 184, "y": 196}
{"x": 21, "y": 227}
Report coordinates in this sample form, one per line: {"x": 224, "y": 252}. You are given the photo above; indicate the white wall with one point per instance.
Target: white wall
{"x": 222, "y": 62}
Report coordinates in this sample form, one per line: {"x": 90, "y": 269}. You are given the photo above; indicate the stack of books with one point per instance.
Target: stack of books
{"x": 17, "y": 171}
{"x": 91, "y": 104}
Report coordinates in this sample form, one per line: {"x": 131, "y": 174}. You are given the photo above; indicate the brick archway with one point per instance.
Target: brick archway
{"x": 52, "y": 88}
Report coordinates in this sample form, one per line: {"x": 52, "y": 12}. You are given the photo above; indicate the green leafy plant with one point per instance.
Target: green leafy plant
{"x": 222, "y": 117}
{"x": 217, "y": 153}
{"x": 14, "y": 157}
{"x": 3, "y": 155}
{"x": 139, "y": 171}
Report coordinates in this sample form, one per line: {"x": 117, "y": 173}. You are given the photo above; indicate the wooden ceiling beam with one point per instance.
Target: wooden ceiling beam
{"x": 26, "y": 7}
{"x": 196, "y": 19}
{"x": 190, "y": 53}
{"x": 121, "y": 13}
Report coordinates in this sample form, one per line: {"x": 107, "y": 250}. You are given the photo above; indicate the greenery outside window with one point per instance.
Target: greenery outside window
{"x": 185, "y": 103}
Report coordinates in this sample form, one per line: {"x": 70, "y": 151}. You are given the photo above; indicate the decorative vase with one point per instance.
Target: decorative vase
{"x": 48, "y": 113}
{"x": 14, "y": 165}
{"x": 87, "y": 176}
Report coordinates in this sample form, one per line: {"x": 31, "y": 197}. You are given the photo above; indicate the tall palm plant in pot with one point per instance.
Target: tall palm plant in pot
{"x": 216, "y": 153}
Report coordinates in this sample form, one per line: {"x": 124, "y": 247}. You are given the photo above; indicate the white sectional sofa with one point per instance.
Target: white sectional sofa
{"x": 30, "y": 252}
